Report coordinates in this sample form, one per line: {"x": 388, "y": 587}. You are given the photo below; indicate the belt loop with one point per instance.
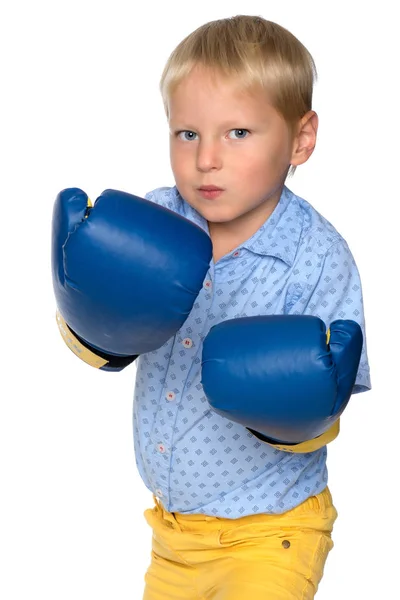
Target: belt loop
{"x": 324, "y": 499}
{"x": 166, "y": 515}
{"x": 328, "y": 501}
{"x": 158, "y": 507}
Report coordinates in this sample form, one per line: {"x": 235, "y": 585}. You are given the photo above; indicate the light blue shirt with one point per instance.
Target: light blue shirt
{"x": 194, "y": 460}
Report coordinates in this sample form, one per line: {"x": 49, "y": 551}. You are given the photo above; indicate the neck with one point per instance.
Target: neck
{"x": 226, "y": 237}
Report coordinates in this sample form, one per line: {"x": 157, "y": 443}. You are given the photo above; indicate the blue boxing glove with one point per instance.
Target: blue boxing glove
{"x": 126, "y": 273}
{"x": 282, "y": 376}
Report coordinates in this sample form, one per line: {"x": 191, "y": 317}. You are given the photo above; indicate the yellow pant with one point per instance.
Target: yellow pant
{"x": 274, "y": 557}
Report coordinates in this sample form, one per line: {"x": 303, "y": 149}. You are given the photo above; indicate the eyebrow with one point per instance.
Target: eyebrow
{"x": 224, "y": 125}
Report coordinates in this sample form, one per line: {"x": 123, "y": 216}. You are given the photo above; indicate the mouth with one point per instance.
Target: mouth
{"x": 209, "y": 192}
{"x": 210, "y": 188}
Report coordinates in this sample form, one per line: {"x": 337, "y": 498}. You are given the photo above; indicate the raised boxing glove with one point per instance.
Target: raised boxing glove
{"x": 282, "y": 376}
{"x": 126, "y": 273}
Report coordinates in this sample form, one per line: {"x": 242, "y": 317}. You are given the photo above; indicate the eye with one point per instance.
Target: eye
{"x": 186, "y": 136}
{"x": 241, "y": 133}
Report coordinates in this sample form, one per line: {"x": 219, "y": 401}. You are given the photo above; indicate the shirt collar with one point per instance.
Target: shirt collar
{"x": 280, "y": 234}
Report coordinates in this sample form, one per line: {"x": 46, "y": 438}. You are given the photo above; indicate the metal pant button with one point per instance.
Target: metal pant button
{"x": 286, "y": 544}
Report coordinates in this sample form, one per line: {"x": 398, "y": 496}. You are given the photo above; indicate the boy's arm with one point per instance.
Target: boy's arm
{"x": 282, "y": 377}
{"x": 283, "y": 393}
{"x": 335, "y": 292}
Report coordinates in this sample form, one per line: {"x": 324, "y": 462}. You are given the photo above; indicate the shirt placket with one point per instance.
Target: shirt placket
{"x": 186, "y": 345}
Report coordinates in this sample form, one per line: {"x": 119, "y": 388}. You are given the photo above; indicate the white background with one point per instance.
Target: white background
{"x": 80, "y": 107}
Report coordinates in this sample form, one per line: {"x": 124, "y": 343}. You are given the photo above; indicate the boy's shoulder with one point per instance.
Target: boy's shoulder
{"x": 316, "y": 230}
{"x": 162, "y": 195}
{"x": 168, "y": 197}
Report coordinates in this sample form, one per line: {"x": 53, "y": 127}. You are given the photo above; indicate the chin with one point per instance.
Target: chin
{"x": 214, "y": 214}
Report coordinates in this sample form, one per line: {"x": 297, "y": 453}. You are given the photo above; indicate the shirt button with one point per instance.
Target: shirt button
{"x": 159, "y": 493}
{"x": 236, "y": 254}
{"x": 187, "y": 343}
{"x": 208, "y": 284}
{"x": 161, "y": 448}
{"x": 170, "y": 396}
{"x": 286, "y": 544}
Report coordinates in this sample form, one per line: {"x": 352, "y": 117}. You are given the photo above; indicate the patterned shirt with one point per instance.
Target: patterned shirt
{"x": 191, "y": 458}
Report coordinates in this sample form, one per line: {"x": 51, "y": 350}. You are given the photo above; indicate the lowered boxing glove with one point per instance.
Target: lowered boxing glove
{"x": 126, "y": 273}
{"x": 282, "y": 377}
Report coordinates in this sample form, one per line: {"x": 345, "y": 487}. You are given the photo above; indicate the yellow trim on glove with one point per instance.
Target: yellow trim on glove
{"x": 77, "y": 348}
{"x": 311, "y": 445}
{"x": 89, "y": 205}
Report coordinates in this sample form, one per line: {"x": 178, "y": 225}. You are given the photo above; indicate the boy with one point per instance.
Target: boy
{"x": 236, "y": 513}
{"x": 237, "y": 94}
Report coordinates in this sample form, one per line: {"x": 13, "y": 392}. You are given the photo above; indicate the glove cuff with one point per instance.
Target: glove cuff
{"x": 99, "y": 360}
{"x": 308, "y": 445}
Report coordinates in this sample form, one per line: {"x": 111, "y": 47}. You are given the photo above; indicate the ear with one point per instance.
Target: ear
{"x": 305, "y": 139}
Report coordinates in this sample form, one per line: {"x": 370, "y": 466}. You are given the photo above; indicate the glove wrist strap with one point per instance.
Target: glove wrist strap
{"x": 99, "y": 360}
{"x": 308, "y": 445}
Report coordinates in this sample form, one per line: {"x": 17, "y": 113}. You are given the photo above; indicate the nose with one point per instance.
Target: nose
{"x": 209, "y": 156}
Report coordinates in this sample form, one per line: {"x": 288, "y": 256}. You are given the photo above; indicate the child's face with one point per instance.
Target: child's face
{"x": 230, "y": 139}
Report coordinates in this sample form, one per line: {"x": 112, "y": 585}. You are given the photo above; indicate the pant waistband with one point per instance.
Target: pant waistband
{"x": 320, "y": 505}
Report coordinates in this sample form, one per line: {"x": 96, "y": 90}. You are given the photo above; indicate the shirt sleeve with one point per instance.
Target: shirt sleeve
{"x": 334, "y": 292}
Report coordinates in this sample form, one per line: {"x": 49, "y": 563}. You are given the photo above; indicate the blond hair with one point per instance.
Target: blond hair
{"x": 256, "y": 52}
